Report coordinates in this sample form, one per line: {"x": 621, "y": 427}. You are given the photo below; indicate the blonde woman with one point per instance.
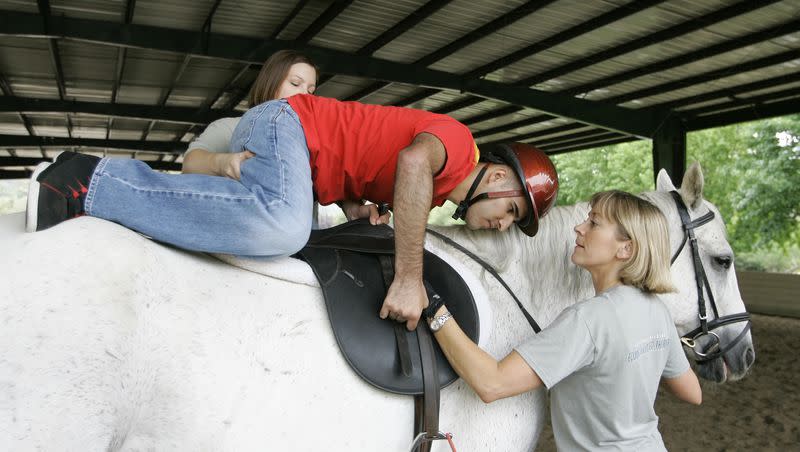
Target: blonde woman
{"x": 602, "y": 359}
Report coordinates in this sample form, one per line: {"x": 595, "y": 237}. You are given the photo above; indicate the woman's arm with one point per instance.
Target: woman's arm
{"x": 490, "y": 379}
{"x": 201, "y": 161}
{"x": 686, "y": 387}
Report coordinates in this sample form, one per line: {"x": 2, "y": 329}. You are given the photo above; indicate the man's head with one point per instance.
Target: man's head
{"x": 517, "y": 183}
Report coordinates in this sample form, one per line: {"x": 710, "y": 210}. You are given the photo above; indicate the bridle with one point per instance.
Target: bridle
{"x": 706, "y": 328}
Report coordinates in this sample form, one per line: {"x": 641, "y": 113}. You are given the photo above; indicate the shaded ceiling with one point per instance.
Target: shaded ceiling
{"x": 142, "y": 78}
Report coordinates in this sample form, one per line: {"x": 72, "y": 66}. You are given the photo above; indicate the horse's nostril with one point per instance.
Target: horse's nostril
{"x": 749, "y": 357}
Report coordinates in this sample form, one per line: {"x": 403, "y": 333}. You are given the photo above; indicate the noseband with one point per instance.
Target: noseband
{"x": 715, "y": 350}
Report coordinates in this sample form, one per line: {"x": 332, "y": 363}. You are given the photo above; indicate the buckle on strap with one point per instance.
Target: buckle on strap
{"x": 423, "y": 438}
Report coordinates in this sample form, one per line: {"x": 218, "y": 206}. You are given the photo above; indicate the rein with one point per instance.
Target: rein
{"x": 491, "y": 271}
{"x": 706, "y": 327}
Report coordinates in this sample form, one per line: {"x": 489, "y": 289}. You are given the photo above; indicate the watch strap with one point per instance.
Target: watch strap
{"x": 434, "y": 301}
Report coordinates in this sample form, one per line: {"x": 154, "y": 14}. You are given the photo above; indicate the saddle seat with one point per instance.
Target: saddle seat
{"x": 353, "y": 262}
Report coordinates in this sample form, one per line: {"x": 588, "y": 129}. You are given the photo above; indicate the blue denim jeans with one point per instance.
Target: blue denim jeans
{"x": 267, "y": 213}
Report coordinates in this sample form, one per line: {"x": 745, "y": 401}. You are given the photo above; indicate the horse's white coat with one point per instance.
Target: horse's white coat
{"x": 109, "y": 341}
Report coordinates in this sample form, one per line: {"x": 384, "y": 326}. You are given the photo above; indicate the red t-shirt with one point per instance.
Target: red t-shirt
{"x": 354, "y": 147}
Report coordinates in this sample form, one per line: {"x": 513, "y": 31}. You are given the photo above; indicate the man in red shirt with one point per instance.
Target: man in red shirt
{"x": 304, "y": 148}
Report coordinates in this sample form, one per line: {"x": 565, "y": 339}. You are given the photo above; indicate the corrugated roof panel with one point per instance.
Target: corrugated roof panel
{"x": 542, "y": 24}
{"x": 254, "y": 18}
{"x": 312, "y": 10}
{"x": 589, "y": 44}
{"x": 28, "y": 6}
{"x": 110, "y": 10}
{"x": 363, "y": 21}
{"x": 25, "y": 62}
{"x": 181, "y": 14}
{"x": 728, "y": 60}
{"x": 443, "y": 27}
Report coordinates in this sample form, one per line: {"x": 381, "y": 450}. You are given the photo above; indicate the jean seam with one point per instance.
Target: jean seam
{"x": 263, "y": 107}
{"x": 90, "y": 194}
{"x": 178, "y": 192}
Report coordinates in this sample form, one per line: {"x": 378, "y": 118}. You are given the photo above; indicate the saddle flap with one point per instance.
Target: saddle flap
{"x": 354, "y": 290}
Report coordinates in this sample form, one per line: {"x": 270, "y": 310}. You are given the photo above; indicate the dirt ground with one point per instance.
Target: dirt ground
{"x": 759, "y": 413}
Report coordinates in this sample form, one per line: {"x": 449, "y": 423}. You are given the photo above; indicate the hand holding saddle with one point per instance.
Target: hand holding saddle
{"x": 405, "y": 301}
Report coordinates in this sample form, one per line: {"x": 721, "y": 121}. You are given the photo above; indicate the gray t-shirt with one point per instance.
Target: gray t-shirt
{"x": 602, "y": 360}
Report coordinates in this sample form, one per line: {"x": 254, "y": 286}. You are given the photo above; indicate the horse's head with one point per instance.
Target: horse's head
{"x": 708, "y": 309}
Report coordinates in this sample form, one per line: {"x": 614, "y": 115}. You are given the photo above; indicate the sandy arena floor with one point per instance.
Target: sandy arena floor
{"x": 759, "y": 413}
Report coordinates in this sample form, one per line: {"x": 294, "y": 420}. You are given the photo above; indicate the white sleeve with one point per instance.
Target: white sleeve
{"x": 217, "y": 136}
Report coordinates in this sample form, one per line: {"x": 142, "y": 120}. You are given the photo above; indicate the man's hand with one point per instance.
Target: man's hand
{"x": 354, "y": 210}
{"x": 405, "y": 301}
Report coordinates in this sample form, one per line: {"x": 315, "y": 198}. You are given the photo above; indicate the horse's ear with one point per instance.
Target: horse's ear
{"x": 663, "y": 182}
{"x": 692, "y": 186}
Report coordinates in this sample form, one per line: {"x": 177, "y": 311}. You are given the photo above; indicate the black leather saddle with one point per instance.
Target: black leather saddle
{"x": 352, "y": 262}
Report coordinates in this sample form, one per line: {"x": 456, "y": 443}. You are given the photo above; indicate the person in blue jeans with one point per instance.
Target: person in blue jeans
{"x": 305, "y": 148}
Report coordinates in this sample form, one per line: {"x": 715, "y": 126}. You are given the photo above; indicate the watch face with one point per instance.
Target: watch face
{"x": 436, "y": 324}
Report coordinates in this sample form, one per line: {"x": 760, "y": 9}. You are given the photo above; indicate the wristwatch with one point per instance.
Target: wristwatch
{"x": 438, "y": 322}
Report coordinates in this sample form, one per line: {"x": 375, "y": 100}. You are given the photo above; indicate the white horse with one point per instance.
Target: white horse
{"x": 110, "y": 341}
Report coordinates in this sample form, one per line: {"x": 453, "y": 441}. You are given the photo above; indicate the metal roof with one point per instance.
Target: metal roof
{"x": 142, "y": 78}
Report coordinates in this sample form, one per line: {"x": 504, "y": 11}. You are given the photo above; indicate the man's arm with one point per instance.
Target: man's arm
{"x": 413, "y": 194}
{"x": 686, "y": 387}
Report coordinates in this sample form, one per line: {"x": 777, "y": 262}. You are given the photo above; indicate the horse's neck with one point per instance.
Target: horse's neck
{"x": 538, "y": 269}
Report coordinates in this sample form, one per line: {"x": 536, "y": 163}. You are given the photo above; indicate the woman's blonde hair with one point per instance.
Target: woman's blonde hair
{"x": 639, "y": 221}
{"x": 273, "y": 73}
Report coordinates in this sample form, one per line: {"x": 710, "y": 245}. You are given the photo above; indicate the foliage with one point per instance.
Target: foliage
{"x": 752, "y": 174}
{"x": 13, "y": 195}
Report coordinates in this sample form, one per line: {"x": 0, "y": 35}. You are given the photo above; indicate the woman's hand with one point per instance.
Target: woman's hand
{"x": 354, "y": 210}
{"x": 229, "y": 164}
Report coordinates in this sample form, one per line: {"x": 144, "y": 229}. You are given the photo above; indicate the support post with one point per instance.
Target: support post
{"x": 669, "y": 149}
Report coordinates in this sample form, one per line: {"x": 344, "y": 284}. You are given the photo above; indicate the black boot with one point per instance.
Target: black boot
{"x": 58, "y": 190}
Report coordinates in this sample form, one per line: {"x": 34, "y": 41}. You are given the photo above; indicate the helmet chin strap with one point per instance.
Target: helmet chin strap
{"x": 461, "y": 210}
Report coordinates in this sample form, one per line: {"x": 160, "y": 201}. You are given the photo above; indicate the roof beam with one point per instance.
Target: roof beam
{"x": 746, "y": 113}
{"x": 20, "y": 141}
{"x": 739, "y": 102}
{"x": 55, "y": 58}
{"x": 122, "y": 54}
{"x": 233, "y": 47}
{"x": 10, "y": 162}
{"x": 183, "y": 115}
{"x": 15, "y": 174}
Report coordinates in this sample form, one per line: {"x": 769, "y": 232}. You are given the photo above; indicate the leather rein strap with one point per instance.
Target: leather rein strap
{"x": 491, "y": 271}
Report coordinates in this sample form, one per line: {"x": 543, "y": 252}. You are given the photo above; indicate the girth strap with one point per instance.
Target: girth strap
{"x": 426, "y": 407}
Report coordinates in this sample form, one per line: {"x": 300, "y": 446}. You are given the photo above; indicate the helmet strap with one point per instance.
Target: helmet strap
{"x": 463, "y": 206}
{"x": 461, "y": 210}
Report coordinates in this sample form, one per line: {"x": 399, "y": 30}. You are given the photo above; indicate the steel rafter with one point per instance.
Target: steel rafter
{"x": 122, "y": 54}
{"x": 747, "y": 113}
{"x": 185, "y": 115}
{"x": 55, "y": 57}
{"x": 134, "y": 145}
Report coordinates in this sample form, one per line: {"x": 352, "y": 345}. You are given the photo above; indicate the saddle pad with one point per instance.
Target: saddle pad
{"x": 353, "y": 287}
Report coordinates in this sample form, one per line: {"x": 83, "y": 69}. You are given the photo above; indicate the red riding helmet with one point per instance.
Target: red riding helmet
{"x": 536, "y": 173}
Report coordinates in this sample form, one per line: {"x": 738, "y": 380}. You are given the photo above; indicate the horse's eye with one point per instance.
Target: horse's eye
{"x": 724, "y": 261}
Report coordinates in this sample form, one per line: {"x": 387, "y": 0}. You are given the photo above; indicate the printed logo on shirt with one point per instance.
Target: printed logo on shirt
{"x": 651, "y": 344}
